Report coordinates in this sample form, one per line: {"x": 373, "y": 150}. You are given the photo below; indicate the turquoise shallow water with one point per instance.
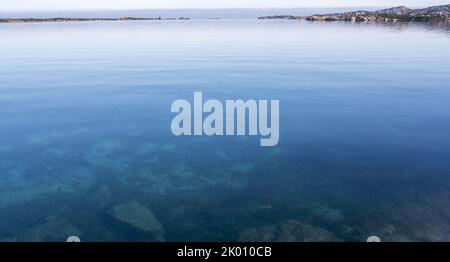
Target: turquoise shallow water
{"x": 86, "y": 147}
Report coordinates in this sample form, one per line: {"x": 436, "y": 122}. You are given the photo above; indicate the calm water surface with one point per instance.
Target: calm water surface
{"x": 86, "y": 147}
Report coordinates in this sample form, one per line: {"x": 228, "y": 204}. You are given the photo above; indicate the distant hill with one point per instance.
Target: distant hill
{"x": 394, "y": 14}
{"x": 403, "y": 10}
{"x": 434, "y": 10}
{"x": 440, "y": 10}
{"x": 399, "y": 10}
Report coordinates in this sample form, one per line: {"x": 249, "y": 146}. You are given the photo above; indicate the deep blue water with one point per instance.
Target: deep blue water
{"x": 86, "y": 147}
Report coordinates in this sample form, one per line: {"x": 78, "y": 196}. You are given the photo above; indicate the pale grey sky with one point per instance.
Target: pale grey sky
{"x": 149, "y": 4}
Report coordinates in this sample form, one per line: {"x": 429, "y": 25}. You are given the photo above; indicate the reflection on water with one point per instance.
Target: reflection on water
{"x": 86, "y": 147}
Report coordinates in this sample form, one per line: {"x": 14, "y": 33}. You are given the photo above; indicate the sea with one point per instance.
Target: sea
{"x": 86, "y": 147}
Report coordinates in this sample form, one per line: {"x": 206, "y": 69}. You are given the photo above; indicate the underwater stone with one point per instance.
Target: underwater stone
{"x": 102, "y": 196}
{"x": 54, "y": 229}
{"x": 242, "y": 167}
{"x": 140, "y": 217}
{"x": 288, "y": 231}
{"x": 329, "y": 214}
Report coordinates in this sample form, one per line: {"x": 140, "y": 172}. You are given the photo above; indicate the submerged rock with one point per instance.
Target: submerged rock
{"x": 330, "y": 214}
{"x": 54, "y": 229}
{"x": 102, "y": 196}
{"x": 139, "y": 217}
{"x": 288, "y": 231}
{"x": 242, "y": 167}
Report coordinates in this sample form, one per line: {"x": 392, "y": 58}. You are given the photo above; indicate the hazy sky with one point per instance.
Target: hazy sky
{"x": 141, "y": 4}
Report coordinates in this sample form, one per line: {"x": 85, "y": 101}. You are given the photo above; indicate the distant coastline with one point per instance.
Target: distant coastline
{"x": 74, "y": 19}
{"x": 395, "y": 14}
